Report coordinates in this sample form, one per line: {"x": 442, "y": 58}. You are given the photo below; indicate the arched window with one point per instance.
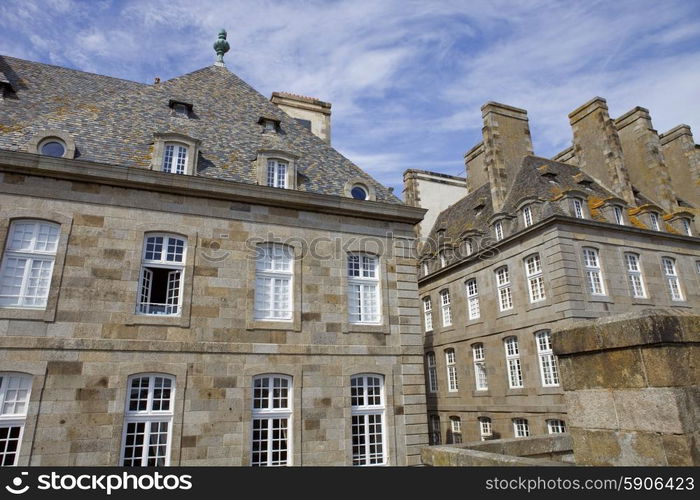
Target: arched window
{"x": 162, "y": 274}
{"x": 272, "y": 420}
{"x": 15, "y": 390}
{"x": 485, "y": 428}
{"x": 527, "y": 216}
{"x": 274, "y": 273}
{"x": 367, "y": 414}
{"x": 363, "y": 289}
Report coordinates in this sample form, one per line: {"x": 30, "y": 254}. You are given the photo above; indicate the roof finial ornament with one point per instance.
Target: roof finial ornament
{"x": 221, "y": 46}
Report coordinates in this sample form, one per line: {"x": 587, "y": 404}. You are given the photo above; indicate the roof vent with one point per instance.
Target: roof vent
{"x": 583, "y": 180}
{"x": 547, "y": 171}
{"x": 269, "y": 124}
{"x": 180, "y": 108}
{"x": 5, "y": 86}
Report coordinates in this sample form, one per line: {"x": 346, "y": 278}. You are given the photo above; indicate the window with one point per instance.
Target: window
{"x": 273, "y": 283}
{"x": 634, "y": 274}
{"x": 515, "y": 374}
{"x": 527, "y": 216}
{"x": 52, "y": 147}
{"x": 363, "y": 289}
{"x": 367, "y": 409}
{"x": 498, "y": 230}
{"x": 556, "y": 426}
{"x": 162, "y": 275}
{"x": 473, "y": 308}
{"x": 697, "y": 266}
{"x": 426, "y": 268}
{"x": 451, "y": 362}
{"x": 469, "y": 246}
{"x": 619, "y": 219}
{"x": 480, "y": 367}
{"x": 578, "y": 208}
{"x": 15, "y": 389}
{"x": 520, "y": 428}
{"x": 180, "y": 109}
{"x": 428, "y": 314}
{"x": 594, "y": 275}
{"x": 435, "y": 434}
{"x": 505, "y": 295}
{"x": 485, "y": 428}
{"x": 456, "y": 430}
{"x": 148, "y": 420}
{"x": 272, "y": 417}
{"x": 277, "y": 173}
{"x": 686, "y": 226}
{"x": 27, "y": 265}
{"x": 446, "y": 308}
{"x": 359, "y": 192}
{"x": 535, "y": 280}
{"x": 175, "y": 158}
{"x": 432, "y": 372}
{"x": 443, "y": 259}
{"x": 669, "y": 267}
{"x": 654, "y": 219}
{"x": 548, "y": 362}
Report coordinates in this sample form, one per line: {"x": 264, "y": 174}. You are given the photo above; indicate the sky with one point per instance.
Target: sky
{"x": 406, "y": 78}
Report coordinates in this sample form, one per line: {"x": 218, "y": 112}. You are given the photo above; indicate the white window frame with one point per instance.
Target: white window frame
{"x": 36, "y": 253}
{"x": 446, "y": 307}
{"x": 535, "y": 278}
{"x": 635, "y": 276}
{"x": 274, "y": 283}
{"x": 513, "y": 365}
{"x": 578, "y": 208}
{"x": 443, "y": 259}
{"x": 368, "y": 413}
{"x": 556, "y": 426}
{"x": 521, "y": 427}
{"x": 469, "y": 244}
{"x": 270, "y": 392}
{"x": 435, "y": 431}
{"x": 431, "y": 361}
{"x": 549, "y": 369}
{"x": 473, "y": 307}
{"x": 498, "y": 230}
{"x": 15, "y": 391}
{"x": 527, "y": 216}
{"x": 485, "y": 428}
{"x": 175, "y": 156}
{"x": 277, "y": 173}
{"x": 451, "y": 365}
{"x": 654, "y": 219}
{"x": 148, "y": 417}
{"x": 593, "y": 271}
{"x": 505, "y": 293}
{"x": 456, "y": 428}
{"x": 480, "y": 375}
{"x": 668, "y": 267}
{"x": 364, "y": 290}
{"x": 428, "y": 314}
{"x": 176, "y": 275}
{"x": 685, "y": 222}
{"x": 426, "y": 268}
{"x": 618, "y": 213}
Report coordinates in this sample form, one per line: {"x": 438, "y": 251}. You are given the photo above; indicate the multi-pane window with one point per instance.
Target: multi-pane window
{"x": 520, "y": 428}
{"x": 446, "y": 308}
{"x": 505, "y": 294}
{"x": 485, "y": 428}
{"x": 686, "y": 226}
{"x": 367, "y": 410}
{"x": 27, "y": 264}
{"x": 432, "y": 372}
{"x": 619, "y": 219}
{"x": 277, "y": 173}
{"x": 480, "y": 367}
{"x": 535, "y": 279}
{"x": 443, "y": 259}
{"x": 428, "y": 314}
{"x": 527, "y": 216}
{"x": 654, "y": 218}
{"x": 363, "y": 289}
{"x": 578, "y": 208}
{"x": 15, "y": 389}
{"x": 162, "y": 275}
{"x": 451, "y": 363}
{"x": 556, "y": 426}
{"x": 515, "y": 373}
{"x": 148, "y": 420}
{"x": 548, "y": 362}
{"x": 594, "y": 274}
{"x": 634, "y": 275}
{"x": 272, "y": 421}
{"x": 435, "y": 434}
{"x": 456, "y": 430}
{"x": 498, "y": 230}
{"x": 473, "y": 308}
{"x": 273, "y": 282}
{"x": 674, "y": 286}
{"x": 175, "y": 158}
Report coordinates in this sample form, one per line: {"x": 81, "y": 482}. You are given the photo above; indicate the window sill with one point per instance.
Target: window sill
{"x": 452, "y": 394}
{"x": 479, "y": 394}
{"x": 474, "y": 322}
{"x": 28, "y": 313}
{"x": 682, "y": 304}
{"x": 365, "y": 328}
{"x": 506, "y": 314}
{"x": 600, "y": 298}
{"x": 520, "y": 391}
{"x": 291, "y": 325}
{"x": 550, "y": 390}
{"x": 157, "y": 320}
{"x": 639, "y": 301}
{"x": 532, "y": 306}
{"x": 447, "y": 329}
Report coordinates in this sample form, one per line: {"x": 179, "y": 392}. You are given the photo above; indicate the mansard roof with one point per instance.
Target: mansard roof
{"x": 114, "y": 121}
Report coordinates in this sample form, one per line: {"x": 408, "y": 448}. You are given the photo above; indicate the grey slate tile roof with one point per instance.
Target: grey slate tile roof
{"x": 113, "y": 121}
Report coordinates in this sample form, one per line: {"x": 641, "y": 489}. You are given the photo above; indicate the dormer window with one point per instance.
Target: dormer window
{"x": 498, "y": 230}
{"x": 174, "y": 158}
{"x": 54, "y": 143}
{"x": 654, "y": 220}
{"x": 180, "y": 108}
{"x": 270, "y": 125}
{"x": 277, "y": 173}
{"x": 174, "y": 153}
{"x": 53, "y": 147}
{"x": 685, "y": 223}
{"x": 619, "y": 218}
{"x": 578, "y": 208}
{"x": 359, "y": 189}
{"x": 527, "y": 216}
{"x": 358, "y": 192}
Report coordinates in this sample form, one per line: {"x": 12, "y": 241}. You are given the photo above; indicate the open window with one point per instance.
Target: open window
{"x": 162, "y": 270}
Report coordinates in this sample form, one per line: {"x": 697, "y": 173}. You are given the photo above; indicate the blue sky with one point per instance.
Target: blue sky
{"x": 406, "y": 78}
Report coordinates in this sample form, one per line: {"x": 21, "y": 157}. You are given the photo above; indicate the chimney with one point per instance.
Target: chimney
{"x": 682, "y": 157}
{"x": 309, "y": 112}
{"x": 597, "y": 147}
{"x": 644, "y": 159}
{"x": 506, "y": 142}
{"x": 477, "y": 175}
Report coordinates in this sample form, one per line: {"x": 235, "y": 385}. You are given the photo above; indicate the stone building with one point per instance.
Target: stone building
{"x": 536, "y": 245}
{"x": 191, "y": 277}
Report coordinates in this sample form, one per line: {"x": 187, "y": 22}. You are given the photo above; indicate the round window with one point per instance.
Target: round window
{"x": 359, "y": 193}
{"x": 54, "y": 148}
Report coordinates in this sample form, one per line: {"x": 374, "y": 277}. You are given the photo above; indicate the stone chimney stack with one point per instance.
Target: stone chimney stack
{"x": 644, "y": 158}
{"x": 598, "y": 149}
{"x": 506, "y": 142}
{"x": 682, "y": 157}
{"x": 474, "y": 165}
{"x": 311, "y": 113}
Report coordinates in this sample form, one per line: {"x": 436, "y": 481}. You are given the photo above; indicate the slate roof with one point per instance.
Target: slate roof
{"x": 114, "y": 121}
